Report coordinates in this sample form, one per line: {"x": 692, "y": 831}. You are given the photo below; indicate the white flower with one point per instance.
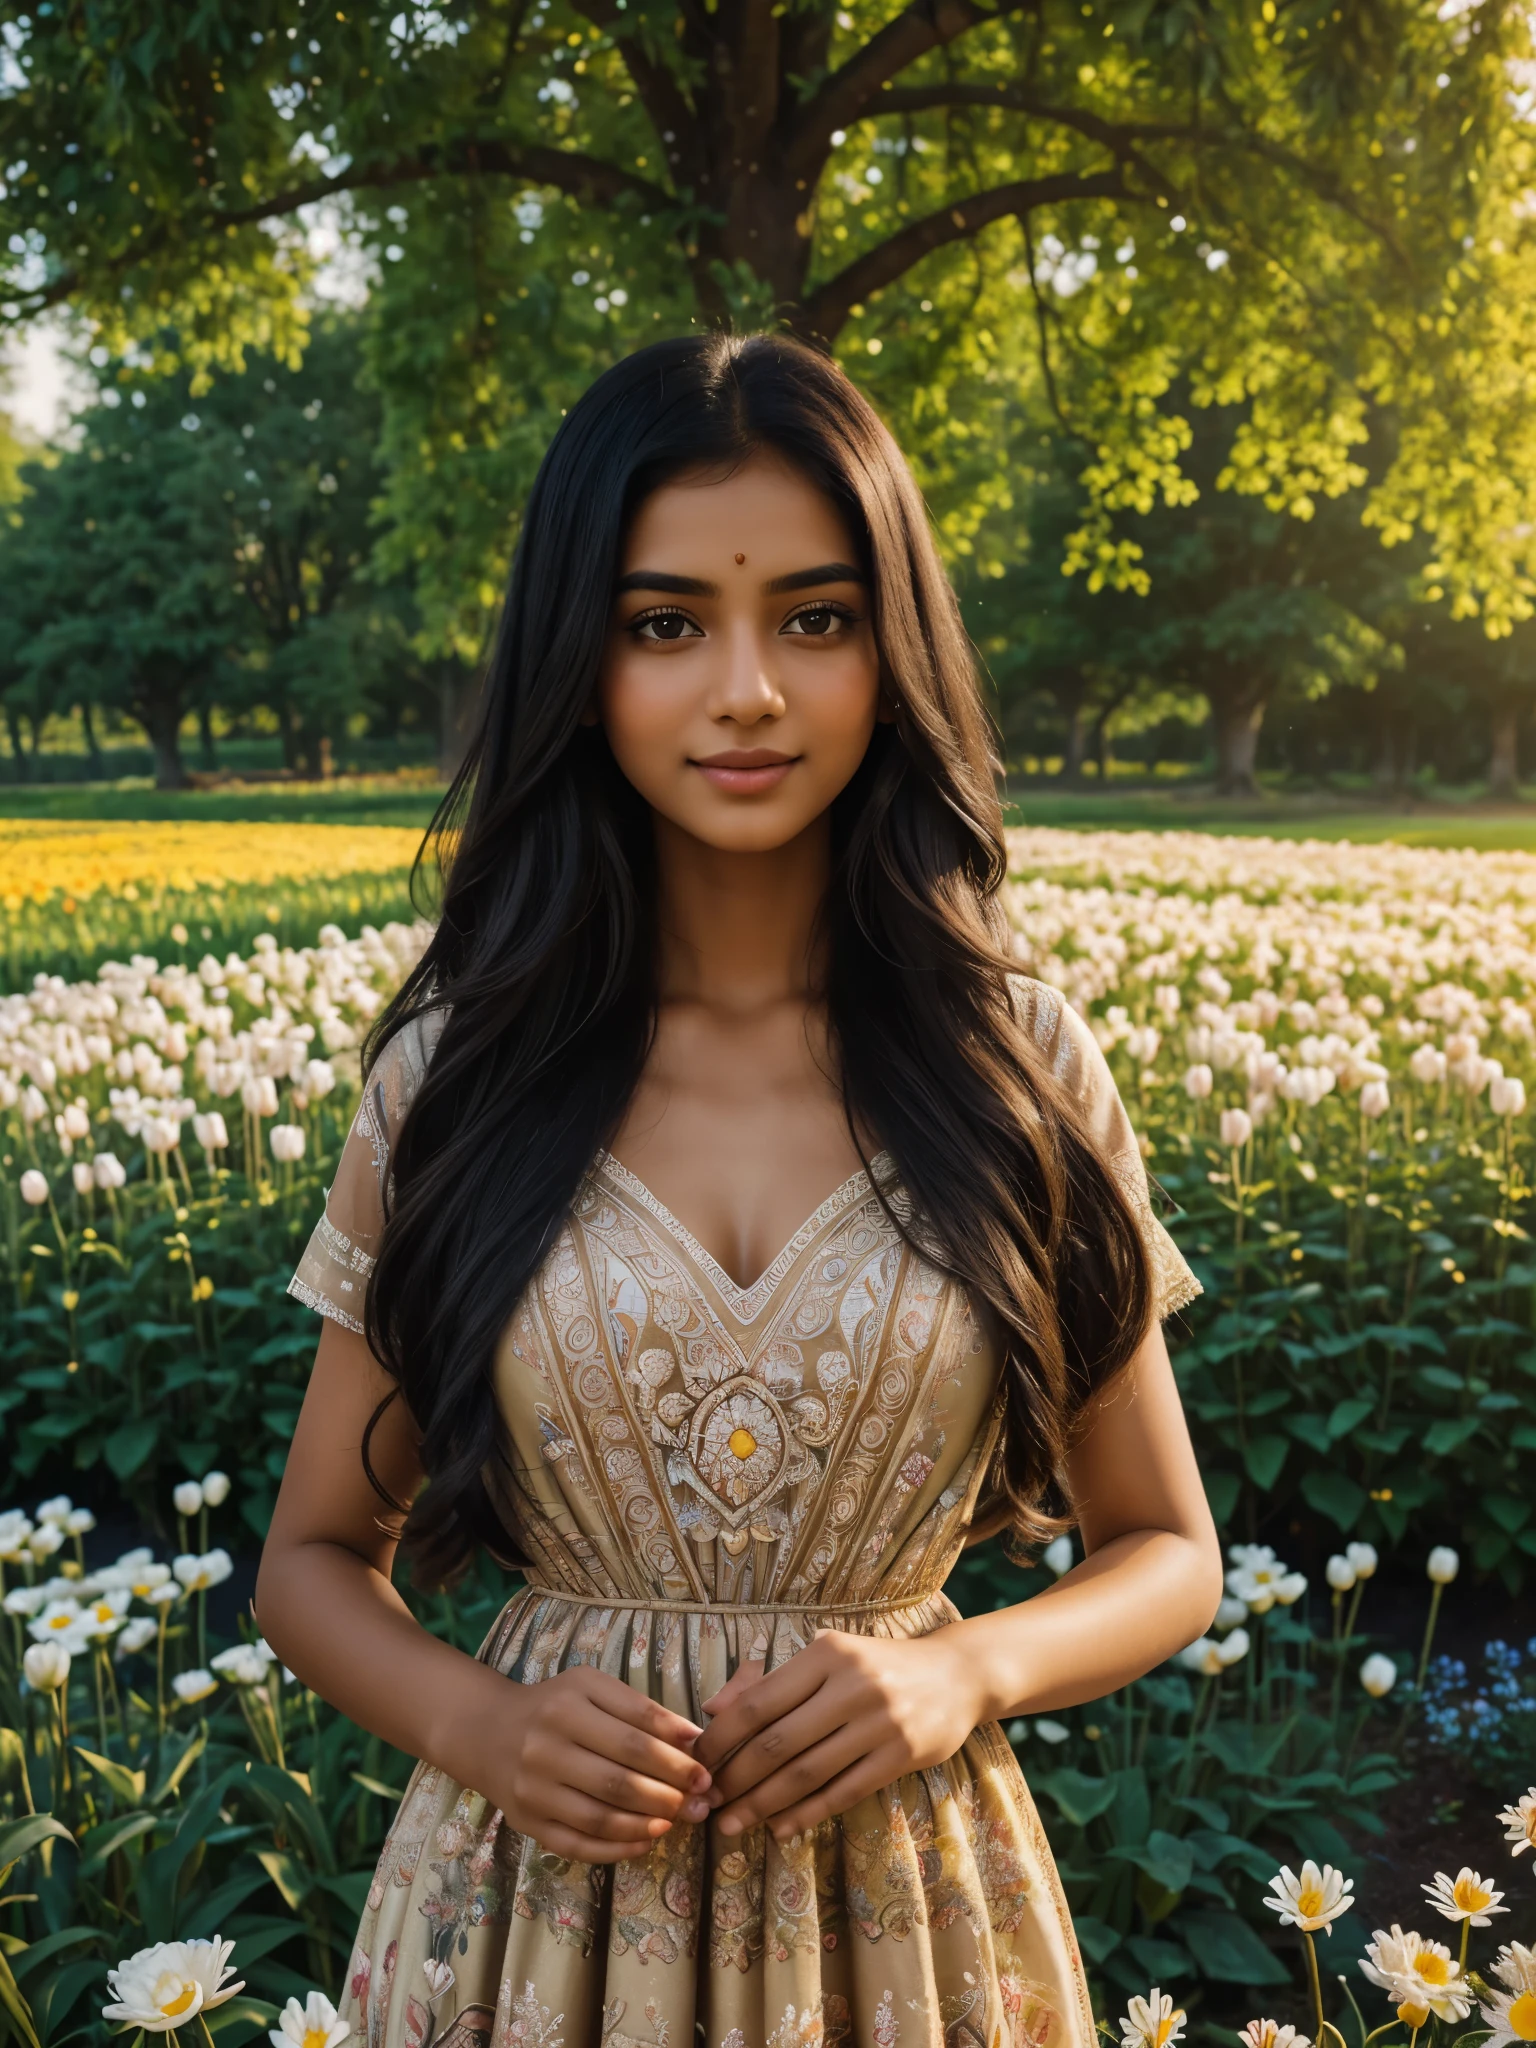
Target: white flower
{"x": 311, "y": 2025}
{"x": 168, "y": 1985}
{"x": 1418, "y": 1976}
{"x": 56, "y": 1512}
{"x": 1340, "y": 1574}
{"x": 1270, "y": 2034}
{"x": 1198, "y": 1082}
{"x": 1230, "y": 1613}
{"x": 1236, "y": 1127}
{"x": 45, "y": 1541}
{"x": 1052, "y": 1731}
{"x": 1313, "y": 1900}
{"x": 109, "y": 1170}
{"x": 1288, "y": 1590}
{"x": 287, "y": 1142}
{"x": 1506, "y": 1096}
{"x": 1375, "y": 1099}
{"x": 82, "y": 1176}
{"x": 439, "y": 1976}
{"x": 259, "y": 1095}
{"x": 1520, "y": 1821}
{"x": 137, "y": 1635}
{"x": 1363, "y": 1559}
{"x": 1378, "y": 1674}
{"x": 103, "y": 1617}
{"x": 319, "y": 1079}
{"x": 1258, "y": 1578}
{"x": 197, "y": 1574}
{"x": 192, "y": 1686}
{"x": 1515, "y": 1965}
{"x": 1151, "y": 2022}
{"x": 59, "y": 1618}
{"x": 215, "y": 1488}
{"x": 241, "y": 1664}
{"x": 187, "y": 1497}
{"x": 1510, "y": 2018}
{"x": 162, "y": 1594}
{"x": 1210, "y": 1658}
{"x": 1427, "y": 1066}
{"x": 25, "y": 1599}
{"x": 209, "y": 1129}
{"x": 1464, "y": 1897}
{"x": 46, "y": 1666}
{"x": 1443, "y": 1564}
{"x": 34, "y": 1187}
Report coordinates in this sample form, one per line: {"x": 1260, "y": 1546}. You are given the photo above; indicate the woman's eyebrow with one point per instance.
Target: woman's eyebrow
{"x": 698, "y": 586}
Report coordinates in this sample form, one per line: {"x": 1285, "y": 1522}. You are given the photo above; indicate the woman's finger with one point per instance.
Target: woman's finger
{"x": 869, "y": 1774}
{"x": 795, "y": 1780}
{"x": 621, "y": 1742}
{"x": 748, "y": 1672}
{"x": 579, "y": 1848}
{"x": 625, "y": 1704}
{"x": 630, "y": 1792}
{"x": 576, "y": 1809}
{"x": 756, "y": 1707}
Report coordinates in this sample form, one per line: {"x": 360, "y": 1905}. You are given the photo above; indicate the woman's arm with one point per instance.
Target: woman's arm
{"x": 851, "y": 1713}
{"x": 586, "y": 1766}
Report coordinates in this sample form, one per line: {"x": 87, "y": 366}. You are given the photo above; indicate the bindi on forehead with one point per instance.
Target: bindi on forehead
{"x": 739, "y": 560}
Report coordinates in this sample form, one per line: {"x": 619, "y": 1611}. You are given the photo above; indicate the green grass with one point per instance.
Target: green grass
{"x": 1486, "y": 828}
{"x": 367, "y": 800}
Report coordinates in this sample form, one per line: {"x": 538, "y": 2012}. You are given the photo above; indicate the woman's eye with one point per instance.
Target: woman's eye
{"x": 664, "y": 626}
{"x": 820, "y": 622}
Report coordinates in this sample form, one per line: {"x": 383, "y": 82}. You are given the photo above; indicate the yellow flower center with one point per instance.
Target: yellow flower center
{"x": 1309, "y": 1902}
{"x": 102, "y": 1611}
{"x": 1470, "y": 1897}
{"x": 742, "y": 1442}
{"x": 316, "y": 2037}
{"x": 1164, "y": 2029}
{"x": 59, "y": 1621}
{"x": 1413, "y": 2015}
{"x": 1433, "y": 1969}
{"x": 1522, "y": 2016}
{"x": 180, "y": 2002}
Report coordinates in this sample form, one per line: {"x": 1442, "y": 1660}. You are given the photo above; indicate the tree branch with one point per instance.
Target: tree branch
{"x": 659, "y": 92}
{"x": 828, "y": 307}
{"x": 846, "y": 95}
{"x": 569, "y": 170}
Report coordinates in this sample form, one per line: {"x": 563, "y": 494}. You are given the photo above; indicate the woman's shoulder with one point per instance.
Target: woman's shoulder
{"x": 1063, "y": 1036}
{"x": 397, "y": 1071}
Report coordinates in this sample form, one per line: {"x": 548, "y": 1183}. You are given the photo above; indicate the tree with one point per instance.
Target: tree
{"x": 1314, "y": 207}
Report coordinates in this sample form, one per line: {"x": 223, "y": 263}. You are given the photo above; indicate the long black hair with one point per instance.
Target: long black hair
{"x": 545, "y": 955}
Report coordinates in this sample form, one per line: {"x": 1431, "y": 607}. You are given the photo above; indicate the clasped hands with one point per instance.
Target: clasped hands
{"x": 597, "y": 1772}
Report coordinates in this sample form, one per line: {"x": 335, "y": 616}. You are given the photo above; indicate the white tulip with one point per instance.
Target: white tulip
{"x": 259, "y": 1095}
{"x": 215, "y": 1488}
{"x": 1340, "y": 1574}
{"x": 209, "y": 1130}
{"x": 1427, "y": 1066}
{"x": 1443, "y": 1564}
{"x": 83, "y": 1177}
{"x": 1198, "y": 1082}
{"x": 34, "y": 1187}
{"x": 1363, "y": 1559}
{"x": 1378, "y": 1674}
{"x": 192, "y": 1686}
{"x": 1506, "y": 1096}
{"x": 109, "y": 1170}
{"x": 320, "y": 1078}
{"x": 46, "y": 1666}
{"x": 1375, "y": 1099}
{"x": 287, "y": 1142}
{"x": 187, "y": 1497}
{"x": 1236, "y": 1127}
{"x": 1290, "y": 1589}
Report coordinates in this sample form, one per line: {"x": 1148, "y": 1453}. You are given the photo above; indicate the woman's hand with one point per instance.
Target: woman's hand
{"x": 845, "y": 1717}
{"x": 585, "y": 1765}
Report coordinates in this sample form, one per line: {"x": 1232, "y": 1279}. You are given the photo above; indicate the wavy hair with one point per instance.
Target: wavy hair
{"x": 545, "y": 957}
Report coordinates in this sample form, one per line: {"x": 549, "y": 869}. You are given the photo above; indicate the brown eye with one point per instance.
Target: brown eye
{"x": 820, "y": 622}
{"x": 664, "y": 626}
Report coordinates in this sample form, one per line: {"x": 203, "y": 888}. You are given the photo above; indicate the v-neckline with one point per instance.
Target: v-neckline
{"x": 745, "y": 1303}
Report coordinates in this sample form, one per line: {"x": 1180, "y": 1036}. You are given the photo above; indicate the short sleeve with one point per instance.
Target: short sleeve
{"x": 1073, "y": 1053}
{"x": 332, "y": 1276}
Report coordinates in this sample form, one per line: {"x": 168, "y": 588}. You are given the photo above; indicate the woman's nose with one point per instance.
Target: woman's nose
{"x": 745, "y": 688}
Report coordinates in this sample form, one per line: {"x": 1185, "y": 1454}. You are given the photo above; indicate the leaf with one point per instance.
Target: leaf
{"x": 1264, "y": 1457}
{"x": 287, "y": 1873}
{"x": 121, "y": 1782}
{"x": 13, "y": 2003}
{"x": 19, "y": 1837}
{"x": 1206, "y": 1810}
{"x": 1160, "y": 1960}
{"x": 237, "y": 2014}
{"x": 126, "y": 1449}
{"x": 377, "y": 1785}
{"x": 104, "y": 1841}
{"x": 1347, "y": 1416}
{"x": 1165, "y": 1858}
{"x": 1095, "y": 1938}
{"x": 1510, "y": 1512}
{"x": 191, "y": 1751}
{"x": 1334, "y": 1495}
{"x": 60, "y": 1991}
{"x": 1226, "y": 1949}
{"x": 1449, "y": 1434}
{"x": 1080, "y": 1797}
{"x": 51, "y": 1945}
{"x": 1221, "y": 1491}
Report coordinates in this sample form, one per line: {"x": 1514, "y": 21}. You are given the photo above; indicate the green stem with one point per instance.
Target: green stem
{"x": 1317, "y": 1984}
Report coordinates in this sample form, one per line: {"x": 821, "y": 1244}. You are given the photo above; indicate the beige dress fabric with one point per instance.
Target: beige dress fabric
{"x": 705, "y": 1473}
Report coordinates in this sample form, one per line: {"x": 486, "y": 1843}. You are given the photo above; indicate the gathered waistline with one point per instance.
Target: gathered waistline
{"x": 766, "y": 1607}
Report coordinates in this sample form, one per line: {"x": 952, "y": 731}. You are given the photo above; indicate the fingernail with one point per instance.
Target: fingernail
{"x": 695, "y": 1809}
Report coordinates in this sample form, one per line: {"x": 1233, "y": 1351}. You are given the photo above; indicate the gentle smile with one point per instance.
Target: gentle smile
{"x": 746, "y": 771}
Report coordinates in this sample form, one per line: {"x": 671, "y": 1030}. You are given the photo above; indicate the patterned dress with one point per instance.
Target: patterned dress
{"x": 706, "y": 1473}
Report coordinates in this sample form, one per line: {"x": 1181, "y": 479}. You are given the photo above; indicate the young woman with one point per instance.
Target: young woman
{"x": 726, "y": 1236}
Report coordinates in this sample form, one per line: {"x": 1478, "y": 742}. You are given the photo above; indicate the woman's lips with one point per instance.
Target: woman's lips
{"x": 746, "y": 773}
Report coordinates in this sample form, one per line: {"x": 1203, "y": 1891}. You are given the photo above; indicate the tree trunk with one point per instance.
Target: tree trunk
{"x": 96, "y": 767}
{"x": 1504, "y": 753}
{"x": 209, "y": 753}
{"x": 13, "y": 727}
{"x": 289, "y": 726}
{"x": 455, "y": 704}
{"x": 160, "y": 717}
{"x": 1235, "y": 723}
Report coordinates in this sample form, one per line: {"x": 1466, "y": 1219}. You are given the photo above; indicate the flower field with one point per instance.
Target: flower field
{"x": 1326, "y": 1050}
{"x": 74, "y": 895}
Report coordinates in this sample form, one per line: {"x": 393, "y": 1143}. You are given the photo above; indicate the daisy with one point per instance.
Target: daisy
{"x": 1515, "y": 1965}
{"x": 1418, "y": 1976}
{"x": 1510, "y": 2018}
{"x": 165, "y": 1986}
{"x": 1466, "y": 1897}
{"x": 1151, "y": 2022}
{"x": 1270, "y": 2034}
{"x": 1312, "y": 1901}
{"x": 311, "y": 2025}
{"x": 1520, "y": 1820}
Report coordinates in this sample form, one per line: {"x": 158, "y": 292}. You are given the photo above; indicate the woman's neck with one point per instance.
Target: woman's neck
{"x": 737, "y": 930}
